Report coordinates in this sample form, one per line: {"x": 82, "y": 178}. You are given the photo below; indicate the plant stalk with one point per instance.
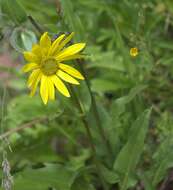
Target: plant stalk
{"x": 89, "y": 135}
{"x": 95, "y": 109}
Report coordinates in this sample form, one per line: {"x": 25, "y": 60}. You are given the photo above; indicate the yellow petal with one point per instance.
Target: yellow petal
{"x": 64, "y": 76}
{"x": 45, "y": 40}
{"x": 60, "y": 86}
{"x": 64, "y": 42}
{"x": 35, "y": 84}
{"x": 71, "y": 57}
{"x": 44, "y": 89}
{"x": 30, "y": 66}
{"x": 71, "y": 50}
{"x": 37, "y": 50}
{"x": 55, "y": 45}
{"x": 70, "y": 70}
{"x": 33, "y": 76}
{"x": 51, "y": 88}
{"x": 30, "y": 57}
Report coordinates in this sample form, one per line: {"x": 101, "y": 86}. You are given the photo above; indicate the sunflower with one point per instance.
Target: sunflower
{"x": 45, "y": 61}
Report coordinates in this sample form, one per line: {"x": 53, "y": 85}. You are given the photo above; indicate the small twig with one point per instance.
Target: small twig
{"x": 24, "y": 126}
{"x": 35, "y": 24}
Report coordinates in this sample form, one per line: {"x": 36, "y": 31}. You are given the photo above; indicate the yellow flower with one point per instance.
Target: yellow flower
{"x": 134, "y": 52}
{"x": 45, "y": 61}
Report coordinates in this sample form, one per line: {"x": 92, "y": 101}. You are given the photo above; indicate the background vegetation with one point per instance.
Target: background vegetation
{"x": 45, "y": 147}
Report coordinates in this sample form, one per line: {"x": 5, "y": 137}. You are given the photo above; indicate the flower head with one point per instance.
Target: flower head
{"x": 134, "y": 52}
{"x": 45, "y": 63}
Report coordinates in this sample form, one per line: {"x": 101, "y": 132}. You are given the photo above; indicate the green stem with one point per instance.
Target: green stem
{"x": 89, "y": 135}
{"x": 95, "y": 110}
{"x": 35, "y": 24}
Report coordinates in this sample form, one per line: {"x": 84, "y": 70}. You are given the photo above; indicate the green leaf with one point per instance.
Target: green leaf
{"x": 38, "y": 143}
{"x": 24, "y": 108}
{"x": 163, "y": 160}
{"x": 82, "y": 184}
{"x": 78, "y": 162}
{"x": 14, "y": 11}
{"x": 110, "y": 177}
{"x": 50, "y": 176}
{"x": 107, "y": 60}
{"x": 15, "y": 40}
{"x": 146, "y": 181}
{"x": 103, "y": 85}
{"x": 22, "y": 40}
{"x": 28, "y": 39}
{"x": 129, "y": 155}
{"x": 118, "y": 106}
{"x": 162, "y": 169}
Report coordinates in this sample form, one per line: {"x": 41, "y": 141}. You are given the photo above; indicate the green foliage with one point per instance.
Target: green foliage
{"x": 23, "y": 109}
{"x": 126, "y": 161}
{"x": 22, "y": 40}
{"x": 14, "y": 11}
{"x": 50, "y": 176}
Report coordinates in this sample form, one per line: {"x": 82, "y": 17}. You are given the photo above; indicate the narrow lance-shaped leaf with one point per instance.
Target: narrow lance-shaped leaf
{"x": 128, "y": 157}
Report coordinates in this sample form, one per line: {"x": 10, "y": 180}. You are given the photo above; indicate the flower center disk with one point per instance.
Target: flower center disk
{"x": 49, "y": 67}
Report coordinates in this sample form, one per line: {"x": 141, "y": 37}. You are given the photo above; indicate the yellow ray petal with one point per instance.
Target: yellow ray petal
{"x": 44, "y": 89}
{"x": 71, "y": 50}
{"x": 64, "y": 76}
{"x": 60, "y": 86}
{"x": 37, "y": 50}
{"x": 55, "y": 45}
{"x": 33, "y": 76}
{"x": 35, "y": 84}
{"x": 30, "y": 66}
{"x": 30, "y": 57}
{"x": 71, "y": 57}
{"x": 51, "y": 88}
{"x": 45, "y": 40}
{"x": 70, "y": 70}
{"x": 64, "y": 42}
